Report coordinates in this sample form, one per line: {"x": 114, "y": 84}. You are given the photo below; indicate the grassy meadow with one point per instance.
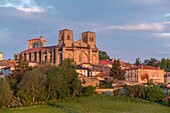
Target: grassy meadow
{"x": 94, "y": 104}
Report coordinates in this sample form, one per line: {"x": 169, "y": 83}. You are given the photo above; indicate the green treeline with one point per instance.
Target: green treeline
{"x": 41, "y": 84}
{"x": 151, "y": 93}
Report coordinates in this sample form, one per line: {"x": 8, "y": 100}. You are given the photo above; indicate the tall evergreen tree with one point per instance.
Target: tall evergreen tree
{"x": 5, "y": 92}
{"x": 137, "y": 62}
{"x": 20, "y": 69}
{"x": 163, "y": 64}
{"x": 116, "y": 71}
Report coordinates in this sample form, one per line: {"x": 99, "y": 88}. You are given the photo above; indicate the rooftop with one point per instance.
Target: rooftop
{"x": 38, "y": 49}
{"x": 34, "y": 39}
{"x": 143, "y": 67}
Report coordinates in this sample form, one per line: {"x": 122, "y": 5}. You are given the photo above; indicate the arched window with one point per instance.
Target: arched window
{"x": 84, "y": 39}
{"x": 91, "y": 39}
{"x": 68, "y": 37}
{"x": 80, "y": 58}
{"x": 62, "y": 37}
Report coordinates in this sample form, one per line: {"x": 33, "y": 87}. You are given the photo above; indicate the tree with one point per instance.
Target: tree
{"x": 63, "y": 80}
{"x": 151, "y": 62}
{"x": 5, "y": 92}
{"x": 137, "y": 62}
{"x": 20, "y": 69}
{"x": 89, "y": 90}
{"x": 163, "y": 64}
{"x": 57, "y": 85}
{"x": 32, "y": 87}
{"x": 70, "y": 74}
{"x": 116, "y": 71}
{"x": 103, "y": 55}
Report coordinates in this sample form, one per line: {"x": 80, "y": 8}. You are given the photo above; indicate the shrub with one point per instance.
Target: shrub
{"x": 89, "y": 90}
{"x": 14, "y": 102}
{"x": 117, "y": 92}
{"x": 165, "y": 101}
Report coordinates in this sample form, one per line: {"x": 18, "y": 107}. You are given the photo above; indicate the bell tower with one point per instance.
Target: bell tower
{"x": 65, "y": 38}
{"x": 89, "y": 38}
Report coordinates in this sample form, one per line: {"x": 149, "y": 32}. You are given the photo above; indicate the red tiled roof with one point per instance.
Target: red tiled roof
{"x": 34, "y": 39}
{"x": 104, "y": 62}
{"x": 103, "y": 74}
{"x": 168, "y": 86}
{"x": 143, "y": 67}
{"x": 38, "y": 49}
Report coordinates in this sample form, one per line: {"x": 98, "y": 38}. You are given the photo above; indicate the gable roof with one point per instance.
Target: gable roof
{"x": 38, "y": 49}
{"x": 105, "y": 62}
{"x": 80, "y": 43}
{"x": 34, "y": 39}
{"x": 143, "y": 67}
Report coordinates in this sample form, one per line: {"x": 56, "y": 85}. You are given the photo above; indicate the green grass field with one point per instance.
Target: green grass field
{"x": 94, "y": 104}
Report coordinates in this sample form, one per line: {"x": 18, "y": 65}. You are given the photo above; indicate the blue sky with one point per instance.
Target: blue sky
{"x": 125, "y": 29}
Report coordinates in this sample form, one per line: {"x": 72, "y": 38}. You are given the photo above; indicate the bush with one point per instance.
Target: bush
{"x": 154, "y": 93}
{"x": 14, "y": 102}
{"x": 89, "y": 90}
{"x": 117, "y": 92}
{"x": 165, "y": 101}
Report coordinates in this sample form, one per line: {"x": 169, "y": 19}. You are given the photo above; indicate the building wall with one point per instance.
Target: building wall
{"x": 145, "y": 75}
{"x": 156, "y": 76}
{"x": 82, "y": 72}
{"x": 1, "y": 56}
{"x": 36, "y": 42}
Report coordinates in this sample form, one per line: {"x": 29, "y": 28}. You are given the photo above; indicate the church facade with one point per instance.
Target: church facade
{"x": 82, "y": 51}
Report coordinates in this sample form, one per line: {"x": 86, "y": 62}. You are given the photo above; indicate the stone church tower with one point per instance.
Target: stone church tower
{"x": 84, "y": 50}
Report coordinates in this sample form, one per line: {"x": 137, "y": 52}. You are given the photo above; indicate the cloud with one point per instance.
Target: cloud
{"x": 27, "y": 6}
{"x": 166, "y": 35}
{"x": 166, "y": 22}
{"x": 146, "y": 1}
{"x": 167, "y": 15}
{"x": 139, "y": 27}
{"x": 24, "y": 9}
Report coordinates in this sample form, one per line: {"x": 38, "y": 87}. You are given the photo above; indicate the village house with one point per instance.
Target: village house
{"x": 143, "y": 74}
{"x": 6, "y": 66}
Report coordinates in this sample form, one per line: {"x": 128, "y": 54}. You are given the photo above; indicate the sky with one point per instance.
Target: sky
{"x": 125, "y": 29}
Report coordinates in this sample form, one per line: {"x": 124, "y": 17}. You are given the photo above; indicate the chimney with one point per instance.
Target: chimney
{"x": 1, "y": 56}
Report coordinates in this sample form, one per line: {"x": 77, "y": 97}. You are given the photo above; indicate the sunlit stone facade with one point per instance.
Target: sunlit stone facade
{"x": 82, "y": 51}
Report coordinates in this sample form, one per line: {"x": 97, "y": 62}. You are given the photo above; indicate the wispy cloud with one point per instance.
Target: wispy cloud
{"x": 165, "y": 35}
{"x": 167, "y": 15}
{"x": 147, "y": 1}
{"x": 28, "y": 6}
{"x": 139, "y": 27}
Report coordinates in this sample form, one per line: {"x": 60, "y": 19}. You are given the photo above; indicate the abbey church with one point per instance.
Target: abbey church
{"x": 82, "y": 51}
